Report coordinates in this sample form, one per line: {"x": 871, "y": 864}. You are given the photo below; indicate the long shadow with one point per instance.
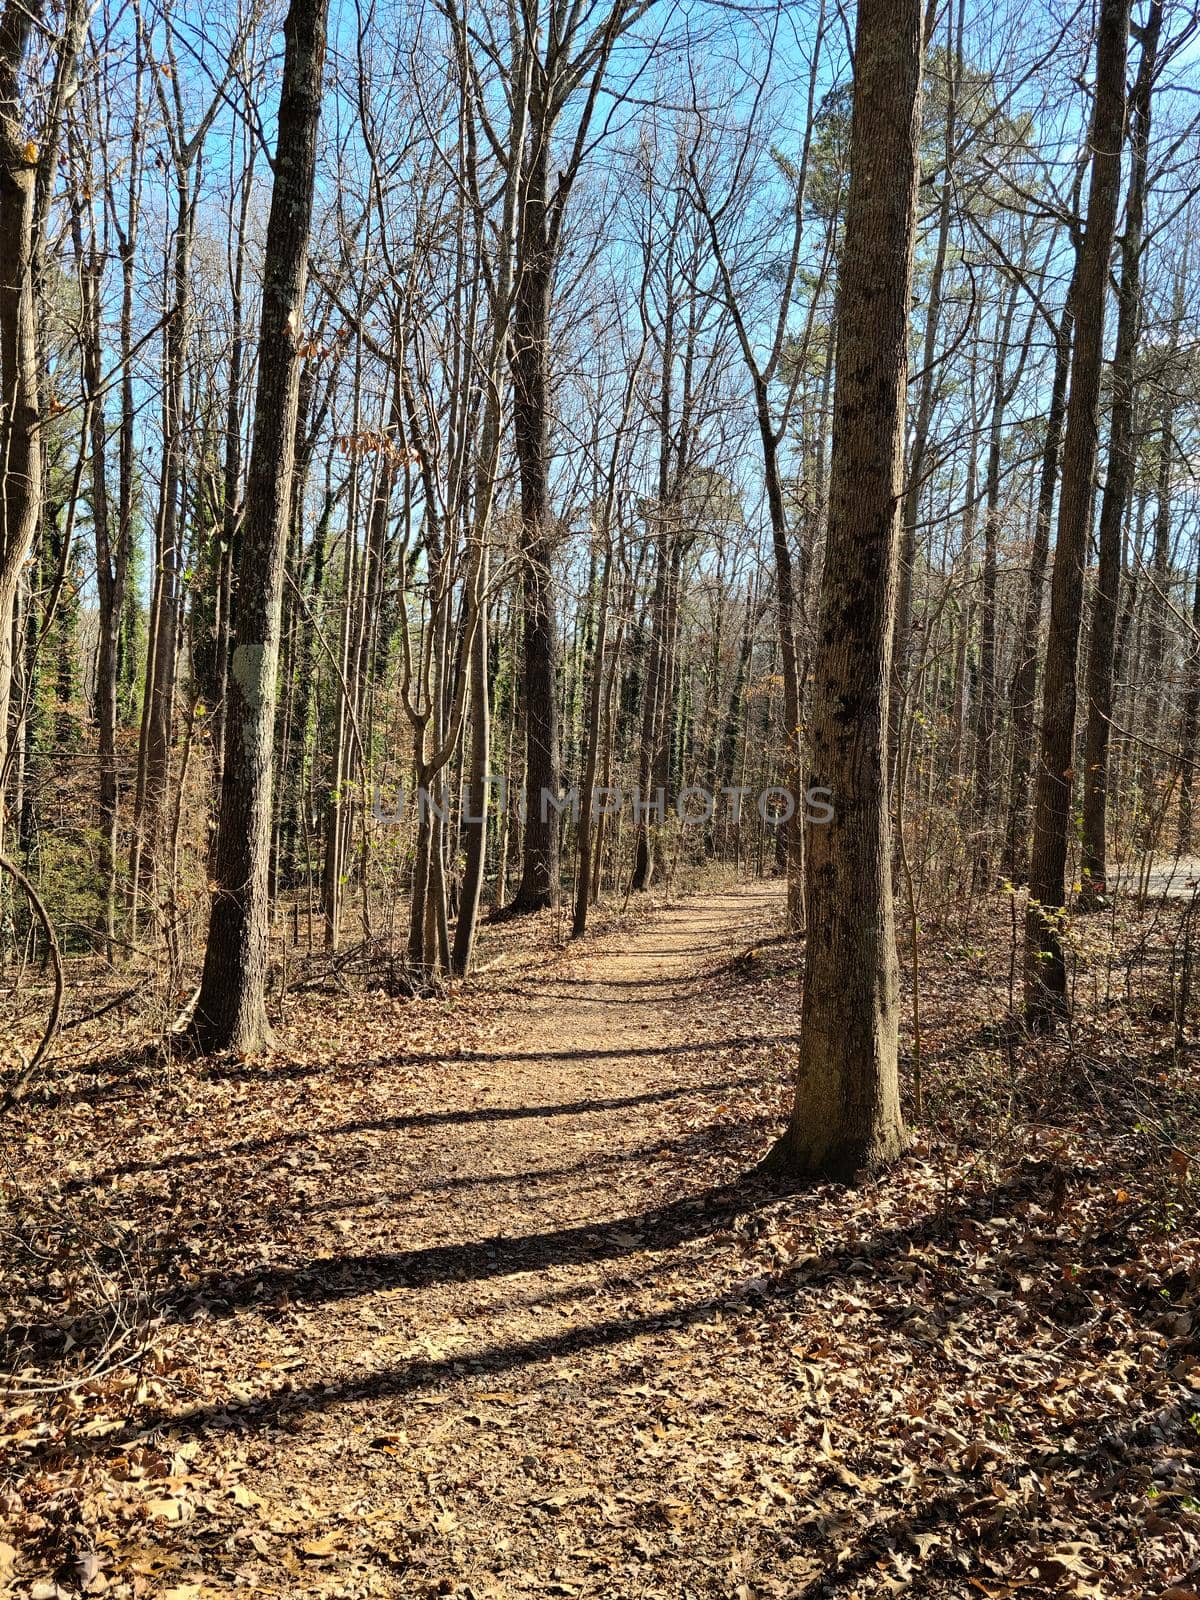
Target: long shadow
{"x": 679, "y": 1222}
{"x": 235, "y": 1072}
{"x": 715, "y": 949}
{"x": 325, "y": 1279}
{"x": 697, "y": 1047}
{"x": 712, "y": 1139}
{"x": 547, "y": 991}
{"x": 47, "y": 1336}
{"x": 118, "y": 1073}
{"x": 612, "y": 983}
{"x": 397, "y": 1124}
{"x": 422, "y": 1375}
{"x": 113, "y": 1082}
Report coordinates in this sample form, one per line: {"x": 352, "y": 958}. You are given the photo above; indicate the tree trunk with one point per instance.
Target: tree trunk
{"x": 985, "y": 724}
{"x": 231, "y": 1011}
{"x": 845, "y": 1119}
{"x": 785, "y": 598}
{"x": 583, "y": 872}
{"x": 928, "y": 393}
{"x": 154, "y": 757}
{"x": 231, "y": 489}
{"x": 112, "y": 562}
{"x": 652, "y": 691}
{"x": 961, "y": 705}
{"x": 20, "y": 410}
{"x": 531, "y": 398}
{"x": 1158, "y": 603}
{"x": 1118, "y": 485}
{"x": 1045, "y": 966}
{"x": 1024, "y": 684}
{"x": 475, "y": 824}
{"x": 1189, "y": 726}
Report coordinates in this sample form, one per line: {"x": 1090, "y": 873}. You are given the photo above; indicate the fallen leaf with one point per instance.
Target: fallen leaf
{"x": 318, "y": 1549}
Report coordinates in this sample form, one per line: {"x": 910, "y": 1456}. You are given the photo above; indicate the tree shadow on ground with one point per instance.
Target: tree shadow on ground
{"x": 400, "y": 1123}
{"x": 243, "y": 1072}
{"x": 42, "y": 1342}
{"x": 713, "y": 1139}
{"x": 662, "y": 1229}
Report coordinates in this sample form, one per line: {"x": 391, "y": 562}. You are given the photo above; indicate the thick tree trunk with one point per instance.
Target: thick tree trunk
{"x": 531, "y": 400}
{"x": 1045, "y": 965}
{"x": 231, "y": 1011}
{"x": 845, "y": 1119}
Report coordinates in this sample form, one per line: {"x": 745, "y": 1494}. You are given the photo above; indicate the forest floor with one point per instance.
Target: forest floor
{"x": 470, "y": 1297}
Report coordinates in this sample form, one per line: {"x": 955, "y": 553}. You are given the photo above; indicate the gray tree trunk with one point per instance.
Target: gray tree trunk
{"x": 231, "y": 1011}
{"x": 845, "y": 1119}
{"x": 1045, "y": 966}
{"x": 1118, "y": 485}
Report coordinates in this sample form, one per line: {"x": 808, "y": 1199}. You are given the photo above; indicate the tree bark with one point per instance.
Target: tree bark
{"x": 1045, "y": 965}
{"x": 1158, "y": 604}
{"x": 1189, "y": 727}
{"x": 1118, "y": 485}
{"x": 583, "y": 873}
{"x": 846, "y": 1119}
{"x": 154, "y": 756}
{"x": 915, "y": 482}
{"x": 475, "y": 824}
{"x": 785, "y": 597}
{"x": 20, "y": 408}
{"x": 1024, "y": 683}
{"x": 231, "y": 1010}
{"x": 531, "y": 399}
{"x": 112, "y": 568}
{"x": 1003, "y": 388}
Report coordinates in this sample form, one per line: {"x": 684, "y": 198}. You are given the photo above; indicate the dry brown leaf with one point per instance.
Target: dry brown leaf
{"x": 318, "y": 1549}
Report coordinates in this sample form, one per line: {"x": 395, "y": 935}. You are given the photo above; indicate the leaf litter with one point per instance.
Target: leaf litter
{"x": 468, "y": 1297}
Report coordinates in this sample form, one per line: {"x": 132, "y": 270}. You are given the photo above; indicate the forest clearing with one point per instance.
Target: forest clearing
{"x": 599, "y": 717}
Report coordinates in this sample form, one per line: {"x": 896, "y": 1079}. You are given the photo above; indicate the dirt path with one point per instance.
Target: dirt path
{"x": 617, "y": 1026}
{"x": 470, "y": 1297}
{"x": 1169, "y": 878}
{"x": 455, "y": 1266}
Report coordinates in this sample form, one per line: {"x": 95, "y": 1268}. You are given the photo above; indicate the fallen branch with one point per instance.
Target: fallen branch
{"x": 102, "y": 1011}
